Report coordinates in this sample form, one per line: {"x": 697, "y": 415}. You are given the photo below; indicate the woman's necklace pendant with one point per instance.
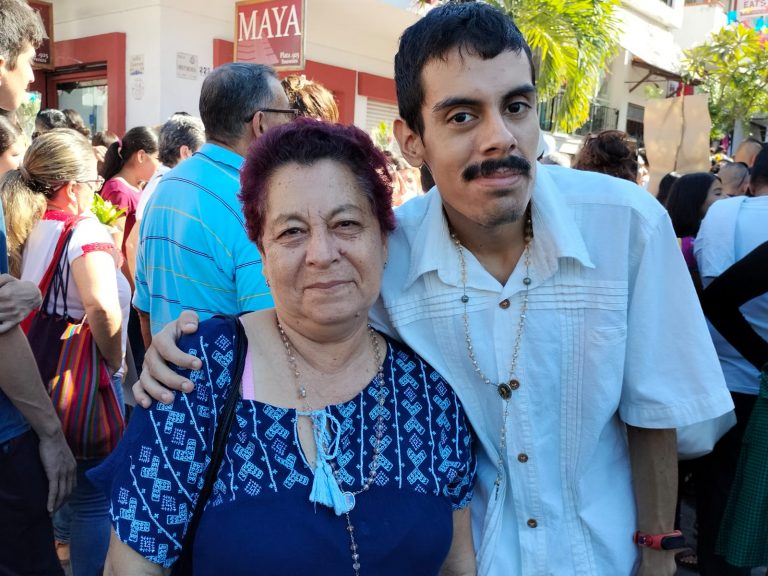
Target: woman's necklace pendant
{"x": 504, "y": 390}
{"x": 349, "y": 499}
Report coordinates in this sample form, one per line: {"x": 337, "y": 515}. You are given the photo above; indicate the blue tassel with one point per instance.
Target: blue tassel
{"x": 326, "y": 491}
{"x": 323, "y": 484}
{"x": 325, "y": 488}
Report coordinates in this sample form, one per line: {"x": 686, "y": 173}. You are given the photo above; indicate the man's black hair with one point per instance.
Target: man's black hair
{"x": 51, "y": 118}
{"x": 19, "y": 23}
{"x": 685, "y": 200}
{"x": 473, "y": 28}
{"x": 759, "y": 177}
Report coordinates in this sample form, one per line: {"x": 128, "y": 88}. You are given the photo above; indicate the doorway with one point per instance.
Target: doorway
{"x": 90, "y": 77}
{"x": 89, "y": 97}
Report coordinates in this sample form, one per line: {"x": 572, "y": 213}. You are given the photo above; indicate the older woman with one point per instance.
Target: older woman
{"x": 348, "y": 453}
{"x": 609, "y": 152}
{"x": 58, "y": 174}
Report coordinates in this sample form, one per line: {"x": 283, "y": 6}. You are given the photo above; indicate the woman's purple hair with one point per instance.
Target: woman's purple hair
{"x": 304, "y": 142}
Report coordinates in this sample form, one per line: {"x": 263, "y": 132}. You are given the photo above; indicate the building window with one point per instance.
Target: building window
{"x": 600, "y": 117}
{"x": 635, "y": 121}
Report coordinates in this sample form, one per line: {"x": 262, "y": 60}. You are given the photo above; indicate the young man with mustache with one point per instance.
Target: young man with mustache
{"x": 37, "y": 469}
{"x": 556, "y": 304}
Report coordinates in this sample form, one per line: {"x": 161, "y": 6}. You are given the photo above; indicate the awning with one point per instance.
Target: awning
{"x": 655, "y": 70}
{"x": 654, "y": 73}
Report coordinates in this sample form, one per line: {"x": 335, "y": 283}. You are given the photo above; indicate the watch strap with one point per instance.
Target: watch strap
{"x": 665, "y": 541}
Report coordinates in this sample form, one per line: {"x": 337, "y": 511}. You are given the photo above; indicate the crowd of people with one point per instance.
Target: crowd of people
{"x": 495, "y": 378}
{"x": 724, "y": 242}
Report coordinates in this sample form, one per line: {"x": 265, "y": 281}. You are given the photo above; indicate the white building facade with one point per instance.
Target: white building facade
{"x": 654, "y": 35}
{"x": 135, "y": 62}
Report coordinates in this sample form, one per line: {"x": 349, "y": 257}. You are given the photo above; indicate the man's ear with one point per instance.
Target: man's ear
{"x": 184, "y": 152}
{"x": 257, "y": 125}
{"x": 411, "y": 145}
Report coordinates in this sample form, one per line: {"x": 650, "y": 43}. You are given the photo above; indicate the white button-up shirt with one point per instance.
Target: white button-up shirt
{"x": 733, "y": 228}
{"x": 614, "y": 334}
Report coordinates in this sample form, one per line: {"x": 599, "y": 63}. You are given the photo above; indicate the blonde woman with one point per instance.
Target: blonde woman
{"x": 310, "y": 99}
{"x": 22, "y": 211}
{"x": 59, "y": 173}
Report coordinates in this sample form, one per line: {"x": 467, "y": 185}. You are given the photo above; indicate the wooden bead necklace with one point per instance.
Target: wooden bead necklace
{"x": 504, "y": 389}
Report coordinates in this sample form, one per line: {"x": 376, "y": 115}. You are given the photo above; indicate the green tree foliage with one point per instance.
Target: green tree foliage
{"x": 572, "y": 41}
{"x": 732, "y": 67}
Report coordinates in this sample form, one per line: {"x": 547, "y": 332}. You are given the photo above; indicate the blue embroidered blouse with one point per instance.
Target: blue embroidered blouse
{"x": 259, "y": 514}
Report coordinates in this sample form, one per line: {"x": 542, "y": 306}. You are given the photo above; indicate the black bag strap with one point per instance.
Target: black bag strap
{"x": 183, "y": 566}
{"x": 57, "y": 289}
{"x": 56, "y": 277}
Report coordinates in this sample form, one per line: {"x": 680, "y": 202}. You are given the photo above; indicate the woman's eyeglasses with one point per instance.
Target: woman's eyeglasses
{"x": 95, "y": 184}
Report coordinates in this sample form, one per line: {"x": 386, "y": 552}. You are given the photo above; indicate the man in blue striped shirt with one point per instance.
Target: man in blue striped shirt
{"x": 194, "y": 252}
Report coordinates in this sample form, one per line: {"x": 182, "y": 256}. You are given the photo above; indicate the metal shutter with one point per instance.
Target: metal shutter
{"x": 377, "y": 112}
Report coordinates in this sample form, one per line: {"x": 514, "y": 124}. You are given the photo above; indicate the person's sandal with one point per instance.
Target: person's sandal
{"x": 687, "y": 559}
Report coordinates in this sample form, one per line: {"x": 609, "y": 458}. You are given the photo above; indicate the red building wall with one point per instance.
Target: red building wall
{"x": 343, "y": 82}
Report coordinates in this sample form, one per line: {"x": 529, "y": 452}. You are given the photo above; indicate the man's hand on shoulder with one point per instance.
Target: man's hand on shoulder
{"x": 157, "y": 379}
{"x": 17, "y": 299}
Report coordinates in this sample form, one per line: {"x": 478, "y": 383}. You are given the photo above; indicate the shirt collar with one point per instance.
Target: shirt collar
{"x": 554, "y": 226}
{"x": 436, "y": 247}
{"x": 221, "y": 155}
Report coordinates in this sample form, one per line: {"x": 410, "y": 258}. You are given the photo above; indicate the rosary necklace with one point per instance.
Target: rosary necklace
{"x": 504, "y": 389}
{"x": 327, "y": 488}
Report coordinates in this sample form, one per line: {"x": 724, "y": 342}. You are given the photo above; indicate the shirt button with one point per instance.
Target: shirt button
{"x": 523, "y": 458}
{"x": 514, "y": 384}
{"x": 504, "y": 304}
{"x": 532, "y": 523}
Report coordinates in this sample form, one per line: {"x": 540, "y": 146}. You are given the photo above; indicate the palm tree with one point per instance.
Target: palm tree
{"x": 572, "y": 41}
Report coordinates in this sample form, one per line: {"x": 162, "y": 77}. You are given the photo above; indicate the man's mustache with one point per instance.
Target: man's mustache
{"x": 488, "y": 167}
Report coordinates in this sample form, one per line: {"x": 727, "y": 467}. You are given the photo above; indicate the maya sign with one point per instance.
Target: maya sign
{"x": 751, "y": 8}
{"x": 270, "y": 32}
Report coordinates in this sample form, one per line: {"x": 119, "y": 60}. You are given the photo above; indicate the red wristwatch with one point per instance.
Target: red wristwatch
{"x": 667, "y": 541}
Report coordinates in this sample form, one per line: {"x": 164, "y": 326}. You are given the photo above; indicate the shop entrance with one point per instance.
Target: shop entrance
{"x": 85, "y": 92}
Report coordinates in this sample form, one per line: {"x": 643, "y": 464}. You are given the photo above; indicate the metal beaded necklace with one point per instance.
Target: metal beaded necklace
{"x": 504, "y": 389}
{"x": 379, "y": 428}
